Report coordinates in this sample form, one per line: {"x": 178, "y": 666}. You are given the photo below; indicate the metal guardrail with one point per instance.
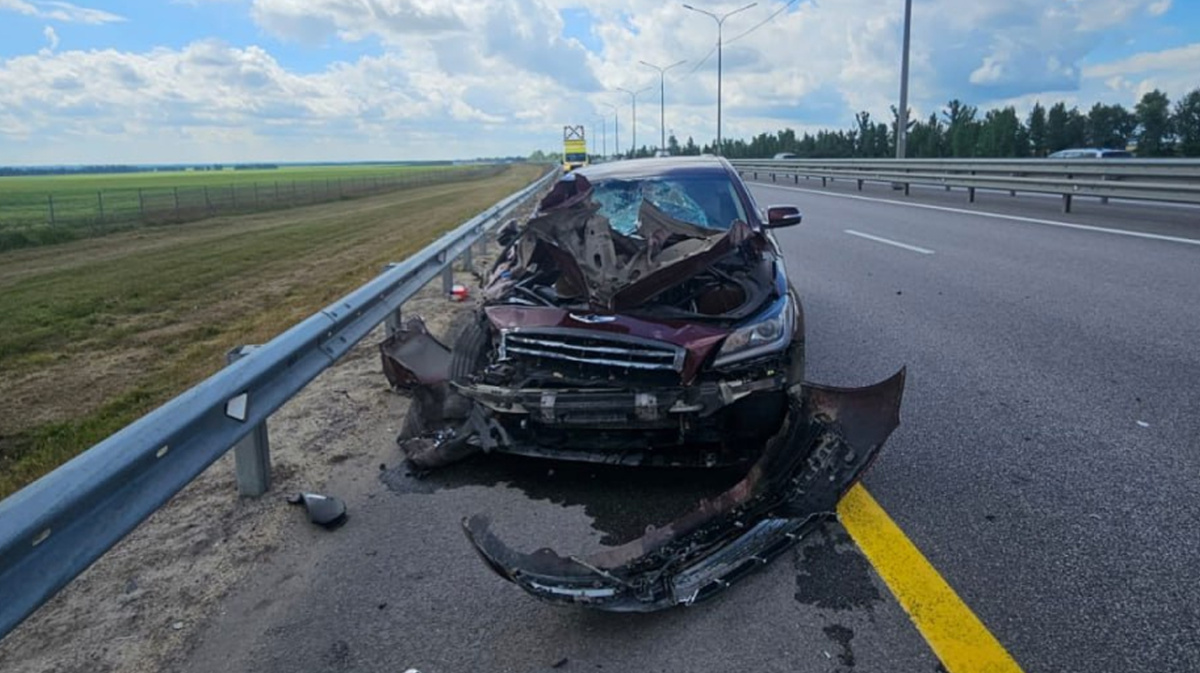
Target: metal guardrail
{"x": 1166, "y": 180}
{"x": 56, "y": 527}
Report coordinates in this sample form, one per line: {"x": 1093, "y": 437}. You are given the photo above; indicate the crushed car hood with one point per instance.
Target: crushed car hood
{"x": 609, "y": 271}
{"x": 830, "y": 438}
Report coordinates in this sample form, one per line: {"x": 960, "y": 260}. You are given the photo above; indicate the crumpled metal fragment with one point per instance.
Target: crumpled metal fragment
{"x": 829, "y": 439}
{"x": 613, "y": 271}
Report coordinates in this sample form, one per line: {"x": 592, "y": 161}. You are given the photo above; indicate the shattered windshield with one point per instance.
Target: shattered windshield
{"x": 709, "y": 201}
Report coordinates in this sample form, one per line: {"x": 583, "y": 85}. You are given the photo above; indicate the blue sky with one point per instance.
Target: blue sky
{"x": 289, "y": 80}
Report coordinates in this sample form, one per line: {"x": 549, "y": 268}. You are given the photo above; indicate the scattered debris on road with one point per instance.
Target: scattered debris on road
{"x": 323, "y": 510}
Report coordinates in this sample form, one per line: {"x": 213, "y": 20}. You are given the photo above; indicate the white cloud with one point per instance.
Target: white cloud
{"x": 1159, "y": 8}
{"x": 51, "y": 39}
{"x": 463, "y": 78}
{"x": 1178, "y": 59}
{"x": 59, "y": 11}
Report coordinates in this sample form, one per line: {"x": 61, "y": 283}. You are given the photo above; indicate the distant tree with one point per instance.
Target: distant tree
{"x": 1002, "y": 135}
{"x": 1065, "y": 128}
{"x": 1110, "y": 126}
{"x": 1154, "y": 125}
{"x": 673, "y": 145}
{"x": 865, "y": 135}
{"x": 926, "y": 139}
{"x": 1186, "y": 122}
{"x": 1037, "y": 130}
{"x": 691, "y": 148}
{"x": 961, "y": 128}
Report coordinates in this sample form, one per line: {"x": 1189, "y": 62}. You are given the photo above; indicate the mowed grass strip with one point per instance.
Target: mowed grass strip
{"x": 96, "y": 333}
{"x": 48, "y": 209}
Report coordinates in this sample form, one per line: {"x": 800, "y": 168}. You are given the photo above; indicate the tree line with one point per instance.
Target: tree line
{"x": 1153, "y": 128}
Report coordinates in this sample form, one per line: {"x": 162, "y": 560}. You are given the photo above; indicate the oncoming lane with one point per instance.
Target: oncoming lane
{"x": 1047, "y": 446}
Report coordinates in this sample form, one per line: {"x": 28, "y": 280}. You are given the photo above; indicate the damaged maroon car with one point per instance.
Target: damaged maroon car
{"x": 643, "y": 316}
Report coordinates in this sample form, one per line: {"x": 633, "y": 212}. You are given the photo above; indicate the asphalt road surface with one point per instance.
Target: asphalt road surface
{"x": 1046, "y": 466}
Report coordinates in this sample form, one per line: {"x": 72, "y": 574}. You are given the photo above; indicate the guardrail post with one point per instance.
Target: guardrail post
{"x": 251, "y": 455}
{"x": 1066, "y": 203}
{"x": 822, "y": 180}
{"x": 772, "y": 177}
{"x": 468, "y": 261}
{"x": 395, "y": 319}
{"x": 970, "y": 195}
{"x": 448, "y": 279}
{"x": 860, "y": 185}
{"x": 796, "y": 179}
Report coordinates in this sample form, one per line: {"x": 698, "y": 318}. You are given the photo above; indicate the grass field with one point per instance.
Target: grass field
{"x": 46, "y": 209}
{"x": 96, "y": 332}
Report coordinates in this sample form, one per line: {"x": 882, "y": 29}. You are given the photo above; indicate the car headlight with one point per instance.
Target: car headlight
{"x": 771, "y": 331}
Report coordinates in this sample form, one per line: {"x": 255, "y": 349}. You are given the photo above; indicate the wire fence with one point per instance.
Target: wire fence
{"x": 29, "y": 219}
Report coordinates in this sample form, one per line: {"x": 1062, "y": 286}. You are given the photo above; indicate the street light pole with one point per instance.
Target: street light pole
{"x": 633, "y": 97}
{"x": 604, "y": 134}
{"x": 662, "y": 100}
{"x": 902, "y": 116}
{"x": 720, "y": 22}
{"x": 616, "y": 125}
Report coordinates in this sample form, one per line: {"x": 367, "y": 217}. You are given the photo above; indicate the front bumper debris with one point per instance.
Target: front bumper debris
{"x": 830, "y": 437}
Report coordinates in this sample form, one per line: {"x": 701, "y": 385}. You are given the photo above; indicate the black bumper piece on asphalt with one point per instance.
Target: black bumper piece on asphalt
{"x": 829, "y": 439}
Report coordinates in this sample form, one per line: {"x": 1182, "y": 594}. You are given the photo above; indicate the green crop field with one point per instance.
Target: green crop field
{"x": 96, "y": 332}
{"x": 42, "y": 209}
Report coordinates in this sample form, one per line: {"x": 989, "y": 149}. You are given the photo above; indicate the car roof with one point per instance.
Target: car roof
{"x": 634, "y": 169}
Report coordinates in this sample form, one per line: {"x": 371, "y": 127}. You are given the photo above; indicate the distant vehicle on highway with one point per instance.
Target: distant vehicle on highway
{"x": 786, "y": 155}
{"x": 1091, "y": 153}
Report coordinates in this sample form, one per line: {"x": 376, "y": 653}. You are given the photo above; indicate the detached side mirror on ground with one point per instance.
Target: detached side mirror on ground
{"x": 782, "y": 216}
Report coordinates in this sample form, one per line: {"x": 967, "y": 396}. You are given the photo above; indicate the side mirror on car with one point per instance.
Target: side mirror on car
{"x": 782, "y": 216}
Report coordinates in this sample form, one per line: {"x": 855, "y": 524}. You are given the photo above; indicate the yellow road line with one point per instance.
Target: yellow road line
{"x": 956, "y": 635}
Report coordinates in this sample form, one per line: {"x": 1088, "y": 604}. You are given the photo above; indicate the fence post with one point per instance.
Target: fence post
{"x": 251, "y": 455}
{"x": 100, "y": 201}
{"x": 50, "y": 203}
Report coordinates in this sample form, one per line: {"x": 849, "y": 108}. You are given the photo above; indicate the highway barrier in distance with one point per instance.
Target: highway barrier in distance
{"x": 1164, "y": 180}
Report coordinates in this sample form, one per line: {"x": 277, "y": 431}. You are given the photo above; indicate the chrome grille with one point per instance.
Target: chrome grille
{"x": 593, "y": 348}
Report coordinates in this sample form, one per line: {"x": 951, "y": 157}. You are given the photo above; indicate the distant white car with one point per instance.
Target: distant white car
{"x": 786, "y": 155}
{"x": 1090, "y": 153}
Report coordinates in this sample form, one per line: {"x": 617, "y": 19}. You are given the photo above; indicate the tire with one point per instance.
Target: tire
{"x": 469, "y": 353}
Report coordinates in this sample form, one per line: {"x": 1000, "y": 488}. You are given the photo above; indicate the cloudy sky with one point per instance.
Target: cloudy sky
{"x": 127, "y": 81}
